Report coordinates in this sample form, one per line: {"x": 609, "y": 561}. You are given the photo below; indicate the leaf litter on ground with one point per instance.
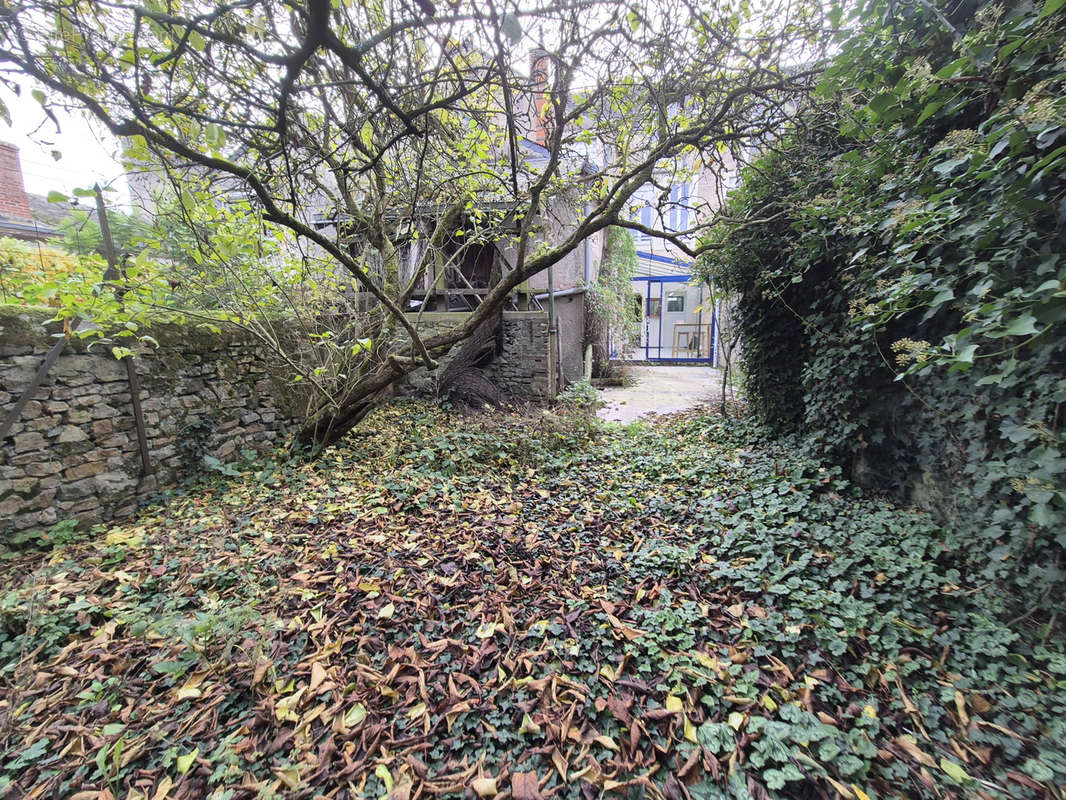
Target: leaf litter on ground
{"x": 520, "y": 609}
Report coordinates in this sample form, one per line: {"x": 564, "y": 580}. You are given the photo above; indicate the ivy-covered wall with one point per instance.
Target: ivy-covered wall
{"x": 902, "y": 280}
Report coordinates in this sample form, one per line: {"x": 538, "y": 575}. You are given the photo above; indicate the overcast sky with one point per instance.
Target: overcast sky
{"x": 89, "y": 154}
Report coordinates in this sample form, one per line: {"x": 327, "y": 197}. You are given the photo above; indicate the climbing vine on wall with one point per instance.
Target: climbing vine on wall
{"x": 904, "y": 308}
{"x": 612, "y": 314}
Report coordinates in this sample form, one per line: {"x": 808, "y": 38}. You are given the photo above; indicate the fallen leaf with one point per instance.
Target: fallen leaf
{"x": 184, "y": 763}
{"x": 524, "y": 786}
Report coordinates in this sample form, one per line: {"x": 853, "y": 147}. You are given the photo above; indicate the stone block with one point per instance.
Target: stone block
{"x": 115, "y": 481}
{"x": 27, "y": 442}
{"x": 71, "y": 433}
{"x": 31, "y": 410}
{"x": 39, "y": 469}
{"x": 84, "y": 470}
{"x": 104, "y": 411}
{"x": 77, "y": 380}
{"x": 76, "y": 490}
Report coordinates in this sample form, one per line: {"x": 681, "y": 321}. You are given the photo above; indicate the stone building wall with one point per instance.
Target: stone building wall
{"x": 74, "y": 451}
{"x": 521, "y": 370}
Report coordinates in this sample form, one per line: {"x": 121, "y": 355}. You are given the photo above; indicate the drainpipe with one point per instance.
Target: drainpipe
{"x": 553, "y": 339}
{"x": 588, "y": 254}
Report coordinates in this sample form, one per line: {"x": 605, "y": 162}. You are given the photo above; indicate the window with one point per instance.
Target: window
{"x": 675, "y": 303}
{"x": 654, "y": 307}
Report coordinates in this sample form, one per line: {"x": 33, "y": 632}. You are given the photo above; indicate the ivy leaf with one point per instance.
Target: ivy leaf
{"x": 1023, "y": 326}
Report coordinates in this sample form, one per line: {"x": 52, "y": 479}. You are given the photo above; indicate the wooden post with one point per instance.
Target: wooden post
{"x": 131, "y": 367}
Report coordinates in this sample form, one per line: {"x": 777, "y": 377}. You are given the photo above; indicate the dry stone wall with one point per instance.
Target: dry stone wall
{"x": 74, "y": 451}
{"x": 73, "y": 454}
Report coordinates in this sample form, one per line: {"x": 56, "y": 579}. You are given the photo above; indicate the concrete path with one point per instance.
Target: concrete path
{"x": 660, "y": 390}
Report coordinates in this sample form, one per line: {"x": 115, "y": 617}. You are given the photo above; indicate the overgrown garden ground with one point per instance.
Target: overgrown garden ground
{"x": 524, "y": 607}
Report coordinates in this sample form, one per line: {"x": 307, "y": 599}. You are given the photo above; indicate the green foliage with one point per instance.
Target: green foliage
{"x": 80, "y": 233}
{"x": 693, "y": 598}
{"x": 904, "y": 307}
{"x": 34, "y": 274}
{"x": 579, "y": 396}
{"x": 613, "y": 317}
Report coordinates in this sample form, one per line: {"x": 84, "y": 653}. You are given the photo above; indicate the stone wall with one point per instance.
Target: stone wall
{"x": 74, "y": 451}
{"x": 521, "y": 370}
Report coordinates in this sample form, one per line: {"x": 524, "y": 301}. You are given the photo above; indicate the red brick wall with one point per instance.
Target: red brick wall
{"x": 13, "y": 201}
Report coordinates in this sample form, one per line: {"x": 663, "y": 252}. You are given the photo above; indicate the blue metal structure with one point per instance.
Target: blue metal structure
{"x": 654, "y": 289}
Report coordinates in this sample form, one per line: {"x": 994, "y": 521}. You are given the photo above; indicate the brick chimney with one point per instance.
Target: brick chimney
{"x": 14, "y": 203}
{"x": 539, "y": 64}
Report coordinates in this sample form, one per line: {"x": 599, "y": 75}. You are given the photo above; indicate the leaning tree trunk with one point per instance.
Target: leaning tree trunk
{"x": 463, "y": 380}
{"x": 330, "y": 423}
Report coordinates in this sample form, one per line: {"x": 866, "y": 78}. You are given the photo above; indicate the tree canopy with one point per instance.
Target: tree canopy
{"x": 359, "y": 128}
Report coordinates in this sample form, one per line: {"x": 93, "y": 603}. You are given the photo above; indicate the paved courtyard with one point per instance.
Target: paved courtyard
{"x": 660, "y": 390}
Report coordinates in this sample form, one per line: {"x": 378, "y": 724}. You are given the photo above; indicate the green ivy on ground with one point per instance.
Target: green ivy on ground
{"x": 903, "y": 307}
{"x": 534, "y": 605}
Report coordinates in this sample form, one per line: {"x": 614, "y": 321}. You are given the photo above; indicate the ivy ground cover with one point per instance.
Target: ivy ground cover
{"x": 522, "y": 608}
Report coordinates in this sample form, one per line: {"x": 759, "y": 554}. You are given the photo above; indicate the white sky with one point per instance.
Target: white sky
{"x": 89, "y": 153}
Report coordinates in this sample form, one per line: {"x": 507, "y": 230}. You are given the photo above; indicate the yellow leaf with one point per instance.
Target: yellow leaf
{"x": 607, "y": 672}
{"x": 957, "y": 773}
{"x": 736, "y": 720}
{"x": 911, "y": 748}
{"x": 529, "y": 726}
{"x": 710, "y": 662}
{"x": 417, "y": 711}
{"x": 869, "y": 711}
{"x": 484, "y": 787}
{"x": 387, "y": 611}
{"x": 184, "y": 763}
{"x": 117, "y": 536}
{"x": 163, "y": 789}
{"x": 382, "y": 773}
{"x": 290, "y": 777}
{"x": 674, "y": 703}
{"x": 690, "y": 731}
{"x": 960, "y": 707}
{"x": 191, "y": 688}
{"x": 285, "y": 709}
{"x": 859, "y": 793}
{"x": 607, "y": 742}
{"x": 736, "y": 610}
{"x": 842, "y": 790}
{"x": 486, "y": 630}
{"x": 355, "y": 715}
